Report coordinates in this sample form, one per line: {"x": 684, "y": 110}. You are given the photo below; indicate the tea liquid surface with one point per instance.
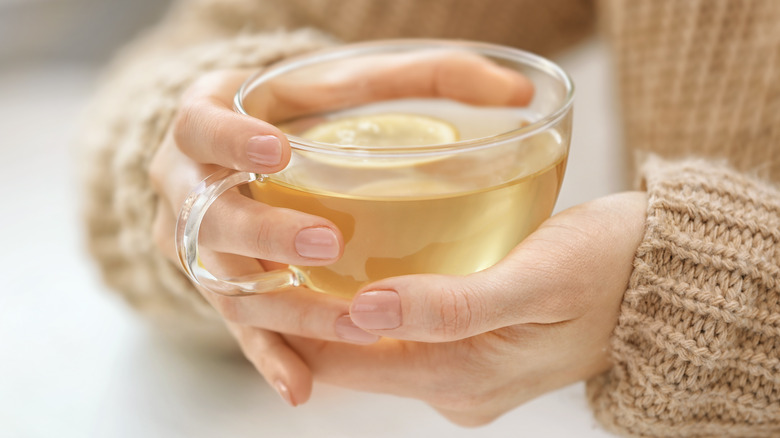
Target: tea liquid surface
{"x": 447, "y": 215}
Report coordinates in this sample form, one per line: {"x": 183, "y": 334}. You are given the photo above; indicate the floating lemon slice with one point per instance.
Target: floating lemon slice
{"x": 384, "y": 130}
{"x": 375, "y": 131}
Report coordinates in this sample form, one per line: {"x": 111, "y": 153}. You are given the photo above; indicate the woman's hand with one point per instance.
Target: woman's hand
{"x": 475, "y": 347}
{"x": 240, "y": 236}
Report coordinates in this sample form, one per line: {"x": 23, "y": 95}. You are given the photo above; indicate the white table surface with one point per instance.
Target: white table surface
{"x": 76, "y": 363}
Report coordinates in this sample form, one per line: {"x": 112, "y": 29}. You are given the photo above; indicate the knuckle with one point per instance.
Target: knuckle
{"x": 263, "y": 242}
{"x": 183, "y": 120}
{"x": 307, "y": 323}
{"x": 195, "y": 124}
{"x": 455, "y": 314}
{"x": 221, "y": 140}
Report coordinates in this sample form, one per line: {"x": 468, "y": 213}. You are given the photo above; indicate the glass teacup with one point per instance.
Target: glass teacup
{"x": 419, "y": 178}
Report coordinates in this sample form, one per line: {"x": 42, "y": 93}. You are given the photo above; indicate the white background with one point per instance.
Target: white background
{"x": 76, "y": 363}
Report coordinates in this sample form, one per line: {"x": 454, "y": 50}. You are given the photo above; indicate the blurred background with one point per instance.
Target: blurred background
{"x": 77, "y": 364}
{"x": 70, "y": 31}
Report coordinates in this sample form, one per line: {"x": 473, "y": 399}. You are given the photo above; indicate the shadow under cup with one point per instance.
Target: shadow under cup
{"x": 455, "y": 207}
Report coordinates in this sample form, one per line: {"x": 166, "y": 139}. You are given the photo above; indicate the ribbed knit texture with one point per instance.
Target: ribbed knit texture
{"x": 700, "y": 77}
{"x": 542, "y": 27}
{"x": 697, "y": 347}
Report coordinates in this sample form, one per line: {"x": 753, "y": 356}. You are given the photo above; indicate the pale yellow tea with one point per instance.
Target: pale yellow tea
{"x": 452, "y": 214}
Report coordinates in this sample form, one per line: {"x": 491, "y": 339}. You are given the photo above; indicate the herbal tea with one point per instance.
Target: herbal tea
{"x": 447, "y": 213}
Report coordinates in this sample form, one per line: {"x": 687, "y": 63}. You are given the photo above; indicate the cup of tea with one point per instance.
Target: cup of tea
{"x": 431, "y": 156}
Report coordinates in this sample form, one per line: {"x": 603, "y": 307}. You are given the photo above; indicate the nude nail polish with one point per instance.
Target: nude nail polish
{"x": 377, "y": 310}
{"x": 284, "y": 392}
{"x": 317, "y": 243}
{"x": 264, "y": 150}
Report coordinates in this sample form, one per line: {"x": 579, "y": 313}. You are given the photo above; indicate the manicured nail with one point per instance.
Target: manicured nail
{"x": 264, "y": 150}
{"x": 284, "y": 392}
{"x": 377, "y": 310}
{"x": 348, "y": 331}
{"x": 317, "y": 243}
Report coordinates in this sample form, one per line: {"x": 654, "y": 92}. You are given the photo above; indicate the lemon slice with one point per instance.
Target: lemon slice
{"x": 376, "y": 131}
{"x": 384, "y": 130}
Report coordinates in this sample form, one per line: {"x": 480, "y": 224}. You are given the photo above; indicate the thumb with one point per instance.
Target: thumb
{"x": 579, "y": 260}
{"x": 440, "y": 308}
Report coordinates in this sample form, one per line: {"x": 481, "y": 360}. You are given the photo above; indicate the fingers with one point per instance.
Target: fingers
{"x": 209, "y": 131}
{"x": 439, "y": 374}
{"x": 296, "y": 311}
{"x": 438, "y": 308}
{"x": 238, "y": 225}
{"x": 388, "y": 366}
{"x": 279, "y": 365}
{"x": 461, "y": 76}
{"x": 475, "y": 80}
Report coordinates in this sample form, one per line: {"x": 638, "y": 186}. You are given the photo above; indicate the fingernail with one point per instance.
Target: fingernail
{"x": 348, "y": 331}
{"x": 284, "y": 392}
{"x": 377, "y": 310}
{"x": 265, "y": 150}
{"x": 317, "y": 243}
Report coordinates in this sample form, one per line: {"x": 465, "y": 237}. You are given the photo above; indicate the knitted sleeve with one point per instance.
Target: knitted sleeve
{"x": 124, "y": 126}
{"x": 697, "y": 348}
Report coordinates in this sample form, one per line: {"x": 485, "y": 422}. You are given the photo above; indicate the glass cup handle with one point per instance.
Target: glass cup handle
{"x": 188, "y": 227}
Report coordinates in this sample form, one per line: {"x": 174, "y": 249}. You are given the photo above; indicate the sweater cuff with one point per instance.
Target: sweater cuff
{"x": 696, "y": 351}
{"x": 126, "y": 124}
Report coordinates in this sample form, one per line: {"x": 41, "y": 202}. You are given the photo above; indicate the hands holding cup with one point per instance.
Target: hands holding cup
{"x": 477, "y": 346}
{"x": 518, "y": 310}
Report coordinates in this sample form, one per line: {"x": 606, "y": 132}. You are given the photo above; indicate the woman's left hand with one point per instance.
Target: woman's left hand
{"x": 475, "y": 347}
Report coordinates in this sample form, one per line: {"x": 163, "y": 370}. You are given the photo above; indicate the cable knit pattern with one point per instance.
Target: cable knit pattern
{"x": 697, "y": 347}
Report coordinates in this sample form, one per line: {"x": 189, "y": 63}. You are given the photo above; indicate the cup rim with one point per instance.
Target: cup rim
{"x": 361, "y": 48}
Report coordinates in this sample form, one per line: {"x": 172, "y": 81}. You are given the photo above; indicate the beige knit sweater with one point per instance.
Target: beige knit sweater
{"x": 697, "y": 347}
